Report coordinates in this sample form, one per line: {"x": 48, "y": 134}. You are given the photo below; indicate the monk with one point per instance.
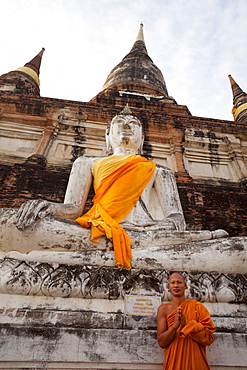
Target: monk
{"x": 184, "y": 329}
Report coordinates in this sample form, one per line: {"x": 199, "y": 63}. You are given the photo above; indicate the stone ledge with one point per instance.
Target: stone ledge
{"x": 95, "y": 366}
{"x": 224, "y": 255}
{"x": 81, "y": 365}
{"x": 97, "y": 320}
{"x": 103, "y": 346}
{"x": 14, "y": 303}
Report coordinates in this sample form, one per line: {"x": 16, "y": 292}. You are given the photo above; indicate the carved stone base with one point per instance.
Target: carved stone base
{"x": 33, "y": 278}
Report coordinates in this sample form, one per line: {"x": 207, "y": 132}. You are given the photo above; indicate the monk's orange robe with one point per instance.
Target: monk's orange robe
{"x": 187, "y": 351}
{"x": 119, "y": 182}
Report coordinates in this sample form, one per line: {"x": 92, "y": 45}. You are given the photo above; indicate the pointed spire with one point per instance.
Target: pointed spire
{"x": 139, "y": 48}
{"x": 239, "y": 109}
{"x": 32, "y": 68}
{"x": 236, "y": 90}
{"x": 232, "y": 82}
{"x": 36, "y": 61}
{"x": 24, "y": 80}
{"x": 140, "y": 36}
{"x": 137, "y": 72}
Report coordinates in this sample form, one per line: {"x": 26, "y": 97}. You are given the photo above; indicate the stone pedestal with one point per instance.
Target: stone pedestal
{"x": 71, "y": 310}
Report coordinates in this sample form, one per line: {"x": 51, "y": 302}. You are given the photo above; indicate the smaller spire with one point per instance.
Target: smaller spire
{"x": 239, "y": 109}
{"x": 140, "y": 36}
{"x": 236, "y": 90}
{"x": 32, "y": 68}
{"x": 24, "y": 80}
{"x": 232, "y": 82}
{"x": 36, "y": 61}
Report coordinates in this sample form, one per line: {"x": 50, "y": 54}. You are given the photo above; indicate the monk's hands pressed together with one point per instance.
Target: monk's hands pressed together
{"x": 180, "y": 319}
{"x": 183, "y": 319}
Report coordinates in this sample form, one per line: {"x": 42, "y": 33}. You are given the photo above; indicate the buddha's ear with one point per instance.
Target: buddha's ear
{"x": 140, "y": 149}
{"x": 108, "y": 144}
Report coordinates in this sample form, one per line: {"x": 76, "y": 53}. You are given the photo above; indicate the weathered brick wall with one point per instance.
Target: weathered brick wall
{"x": 214, "y": 207}
{"x": 34, "y": 180}
{"x": 31, "y": 180}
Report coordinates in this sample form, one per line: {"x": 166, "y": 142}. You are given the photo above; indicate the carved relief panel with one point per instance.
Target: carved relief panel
{"x": 58, "y": 280}
{"x": 214, "y": 155}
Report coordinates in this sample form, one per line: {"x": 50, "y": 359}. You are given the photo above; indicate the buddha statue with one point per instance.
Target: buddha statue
{"x": 132, "y": 196}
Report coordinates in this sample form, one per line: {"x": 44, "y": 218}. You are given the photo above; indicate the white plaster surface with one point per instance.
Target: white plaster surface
{"x": 214, "y": 155}
{"x": 222, "y": 255}
{"x": 14, "y": 302}
{"x": 105, "y": 345}
{"x": 56, "y": 233}
{"x": 18, "y": 139}
{"x": 59, "y": 347}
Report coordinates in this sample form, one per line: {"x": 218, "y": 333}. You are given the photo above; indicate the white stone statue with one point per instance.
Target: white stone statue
{"x": 156, "y": 219}
{"x": 159, "y": 204}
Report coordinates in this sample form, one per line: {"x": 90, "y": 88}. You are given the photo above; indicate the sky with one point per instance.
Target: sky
{"x": 195, "y": 43}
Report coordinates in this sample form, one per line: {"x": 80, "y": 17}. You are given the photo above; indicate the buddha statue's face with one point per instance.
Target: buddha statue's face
{"x": 126, "y": 131}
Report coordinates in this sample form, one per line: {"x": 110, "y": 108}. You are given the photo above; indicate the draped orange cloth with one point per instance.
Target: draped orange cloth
{"x": 115, "y": 195}
{"x": 187, "y": 351}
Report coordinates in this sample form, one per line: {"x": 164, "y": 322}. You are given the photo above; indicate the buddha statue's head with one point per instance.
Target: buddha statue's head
{"x": 125, "y": 131}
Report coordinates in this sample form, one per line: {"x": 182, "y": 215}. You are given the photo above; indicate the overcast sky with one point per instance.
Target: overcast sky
{"x": 195, "y": 43}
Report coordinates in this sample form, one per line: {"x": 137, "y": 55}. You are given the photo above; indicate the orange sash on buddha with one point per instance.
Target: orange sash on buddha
{"x": 115, "y": 196}
{"x": 187, "y": 351}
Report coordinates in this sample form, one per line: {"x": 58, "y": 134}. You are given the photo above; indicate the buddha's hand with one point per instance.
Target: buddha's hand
{"x": 31, "y": 211}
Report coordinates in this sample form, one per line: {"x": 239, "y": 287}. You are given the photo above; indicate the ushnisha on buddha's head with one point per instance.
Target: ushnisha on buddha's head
{"x": 124, "y": 132}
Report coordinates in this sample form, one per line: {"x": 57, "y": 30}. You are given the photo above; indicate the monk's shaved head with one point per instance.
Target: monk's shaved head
{"x": 176, "y": 274}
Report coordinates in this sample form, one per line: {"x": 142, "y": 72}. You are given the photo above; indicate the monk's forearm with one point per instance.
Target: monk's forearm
{"x": 203, "y": 337}
{"x": 199, "y": 333}
{"x": 165, "y": 338}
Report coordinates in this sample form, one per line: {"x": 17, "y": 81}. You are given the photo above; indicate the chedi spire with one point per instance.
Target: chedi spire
{"x": 35, "y": 63}
{"x": 24, "y": 80}
{"x": 137, "y": 72}
{"x": 239, "y": 109}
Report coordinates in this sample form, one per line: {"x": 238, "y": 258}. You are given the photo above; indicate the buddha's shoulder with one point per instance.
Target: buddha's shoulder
{"x": 85, "y": 160}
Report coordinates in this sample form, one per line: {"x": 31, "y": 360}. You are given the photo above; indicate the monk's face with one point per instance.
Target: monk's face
{"x": 126, "y": 131}
{"x": 177, "y": 285}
